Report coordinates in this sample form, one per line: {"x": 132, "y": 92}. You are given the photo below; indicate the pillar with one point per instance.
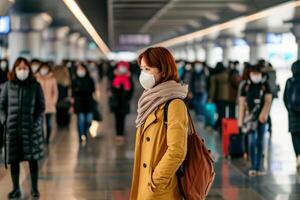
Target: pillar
{"x": 73, "y": 45}
{"x": 82, "y": 48}
{"x": 296, "y": 31}
{"x": 257, "y": 44}
{"x": 226, "y": 44}
{"x": 25, "y": 38}
{"x": 208, "y": 46}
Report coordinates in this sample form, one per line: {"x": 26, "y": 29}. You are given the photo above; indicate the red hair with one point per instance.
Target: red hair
{"x": 161, "y": 58}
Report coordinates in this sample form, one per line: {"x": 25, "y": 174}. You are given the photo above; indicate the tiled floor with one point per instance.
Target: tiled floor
{"x": 101, "y": 170}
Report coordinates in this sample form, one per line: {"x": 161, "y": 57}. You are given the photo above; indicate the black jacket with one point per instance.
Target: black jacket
{"x": 294, "y": 118}
{"x": 119, "y": 102}
{"x": 83, "y": 89}
{"x": 21, "y": 111}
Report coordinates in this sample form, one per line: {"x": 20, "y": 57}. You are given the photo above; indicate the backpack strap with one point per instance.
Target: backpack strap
{"x": 191, "y": 123}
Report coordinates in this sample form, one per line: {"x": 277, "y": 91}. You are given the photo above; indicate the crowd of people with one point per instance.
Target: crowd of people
{"x": 34, "y": 93}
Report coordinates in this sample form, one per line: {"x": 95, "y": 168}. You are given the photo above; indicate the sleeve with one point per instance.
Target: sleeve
{"x": 177, "y": 134}
{"x": 285, "y": 94}
{"x": 3, "y": 103}
{"x": 267, "y": 88}
{"x": 212, "y": 90}
{"x": 243, "y": 90}
{"x": 39, "y": 102}
{"x": 55, "y": 91}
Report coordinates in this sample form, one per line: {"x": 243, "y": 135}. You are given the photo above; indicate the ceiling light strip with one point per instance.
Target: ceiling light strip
{"x": 229, "y": 24}
{"x": 77, "y": 12}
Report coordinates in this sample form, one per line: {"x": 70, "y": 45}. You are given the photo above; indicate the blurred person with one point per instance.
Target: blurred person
{"x": 3, "y": 79}
{"x": 23, "y": 124}
{"x": 292, "y": 103}
{"x": 180, "y": 67}
{"x": 160, "y": 149}
{"x": 245, "y": 79}
{"x": 35, "y": 66}
{"x": 83, "y": 88}
{"x": 270, "y": 75}
{"x": 223, "y": 92}
{"x": 254, "y": 107}
{"x": 49, "y": 86}
{"x": 199, "y": 86}
{"x": 63, "y": 79}
{"x": 121, "y": 94}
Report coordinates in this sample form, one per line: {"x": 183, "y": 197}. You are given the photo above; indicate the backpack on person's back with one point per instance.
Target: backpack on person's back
{"x": 196, "y": 175}
{"x": 293, "y": 95}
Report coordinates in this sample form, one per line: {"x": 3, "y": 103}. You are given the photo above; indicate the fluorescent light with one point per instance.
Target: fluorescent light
{"x": 77, "y": 12}
{"x": 229, "y": 24}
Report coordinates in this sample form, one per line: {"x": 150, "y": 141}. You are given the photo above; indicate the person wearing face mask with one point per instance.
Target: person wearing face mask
{"x": 21, "y": 111}
{"x": 122, "y": 91}
{"x": 49, "y": 86}
{"x": 3, "y": 78}
{"x": 254, "y": 107}
{"x": 83, "y": 89}
{"x": 291, "y": 99}
{"x": 160, "y": 149}
{"x": 35, "y": 66}
{"x": 199, "y": 86}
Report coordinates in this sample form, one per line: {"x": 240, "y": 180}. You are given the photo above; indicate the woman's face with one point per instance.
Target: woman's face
{"x": 22, "y": 66}
{"x": 151, "y": 70}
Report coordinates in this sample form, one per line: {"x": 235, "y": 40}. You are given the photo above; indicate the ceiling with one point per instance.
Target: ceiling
{"x": 165, "y": 19}
{"x": 159, "y": 19}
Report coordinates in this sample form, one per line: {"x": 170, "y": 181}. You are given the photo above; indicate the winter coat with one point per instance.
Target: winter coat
{"x": 21, "y": 110}
{"x": 49, "y": 86}
{"x": 221, "y": 87}
{"x": 294, "y": 118}
{"x": 82, "y": 90}
{"x": 159, "y": 152}
{"x": 120, "y": 100}
{"x": 199, "y": 83}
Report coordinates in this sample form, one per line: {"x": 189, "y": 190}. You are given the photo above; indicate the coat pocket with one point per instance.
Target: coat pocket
{"x": 158, "y": 188}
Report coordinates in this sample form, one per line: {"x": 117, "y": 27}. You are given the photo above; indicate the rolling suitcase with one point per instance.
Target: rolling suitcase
{"x": 236, "y": 146}
{"x": 229, "y": 127}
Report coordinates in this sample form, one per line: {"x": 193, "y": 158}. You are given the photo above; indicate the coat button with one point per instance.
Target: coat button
{"x": 148, "y": 139}
{"x": 144, "y": 165}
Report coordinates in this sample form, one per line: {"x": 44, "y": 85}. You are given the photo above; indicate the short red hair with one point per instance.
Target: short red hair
{"x": 161, "y": 58}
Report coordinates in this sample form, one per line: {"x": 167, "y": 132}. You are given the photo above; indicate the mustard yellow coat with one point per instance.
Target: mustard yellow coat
{"x": 159, "y": 152}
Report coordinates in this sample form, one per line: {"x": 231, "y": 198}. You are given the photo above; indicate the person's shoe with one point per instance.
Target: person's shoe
{"x": 252, "y": 173}
{"x": 261, "y": 173}
{"x": 120, "y": 140}
{"x": 16, "y": 193}
{"x": 35, "y": 193}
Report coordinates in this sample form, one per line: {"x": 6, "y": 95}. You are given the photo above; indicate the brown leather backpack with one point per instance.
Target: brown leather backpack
{"x": 196, "y": 174}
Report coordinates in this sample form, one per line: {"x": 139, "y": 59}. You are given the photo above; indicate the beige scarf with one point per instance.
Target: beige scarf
{"x": 158, "y": 95}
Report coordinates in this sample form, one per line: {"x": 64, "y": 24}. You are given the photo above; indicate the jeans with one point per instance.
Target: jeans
{"x": 48, "y": 120}
{"x": 84, "y": 121}
{"x": 199, "y": 101}
{"x": 256, "y": 139}
{"x": 296, "y": 142}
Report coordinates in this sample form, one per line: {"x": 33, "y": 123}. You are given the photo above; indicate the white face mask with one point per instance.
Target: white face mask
{"x": 34, "y": 68}
{"x": 122, "y": 70}
{"x": 81, "y": 73}
{"x": 188, "y": 67}
{"x": 256, "y": 78}
{"x": 3, "y": 66}
{"x": 198, "y": 67}
{"x": 147, "y": 80}
{"x": 44, "y": 71}
{"x": 22, "y": 74}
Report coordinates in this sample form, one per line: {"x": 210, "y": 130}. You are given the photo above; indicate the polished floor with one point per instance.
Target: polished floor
{"x": 101, "y": 169}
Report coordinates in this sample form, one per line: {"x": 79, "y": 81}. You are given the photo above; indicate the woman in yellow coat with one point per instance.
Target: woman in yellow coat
{"x": 160, "y": 148}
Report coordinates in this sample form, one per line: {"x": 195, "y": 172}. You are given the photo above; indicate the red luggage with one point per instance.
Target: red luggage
{"x": 229, "y": 127}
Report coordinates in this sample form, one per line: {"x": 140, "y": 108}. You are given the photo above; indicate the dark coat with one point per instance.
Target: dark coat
{"x": 83, "y": 89}
{"x": 294, "y": 118}
{"x": 119, "y": 102}
{"x": 21, "y": 110}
